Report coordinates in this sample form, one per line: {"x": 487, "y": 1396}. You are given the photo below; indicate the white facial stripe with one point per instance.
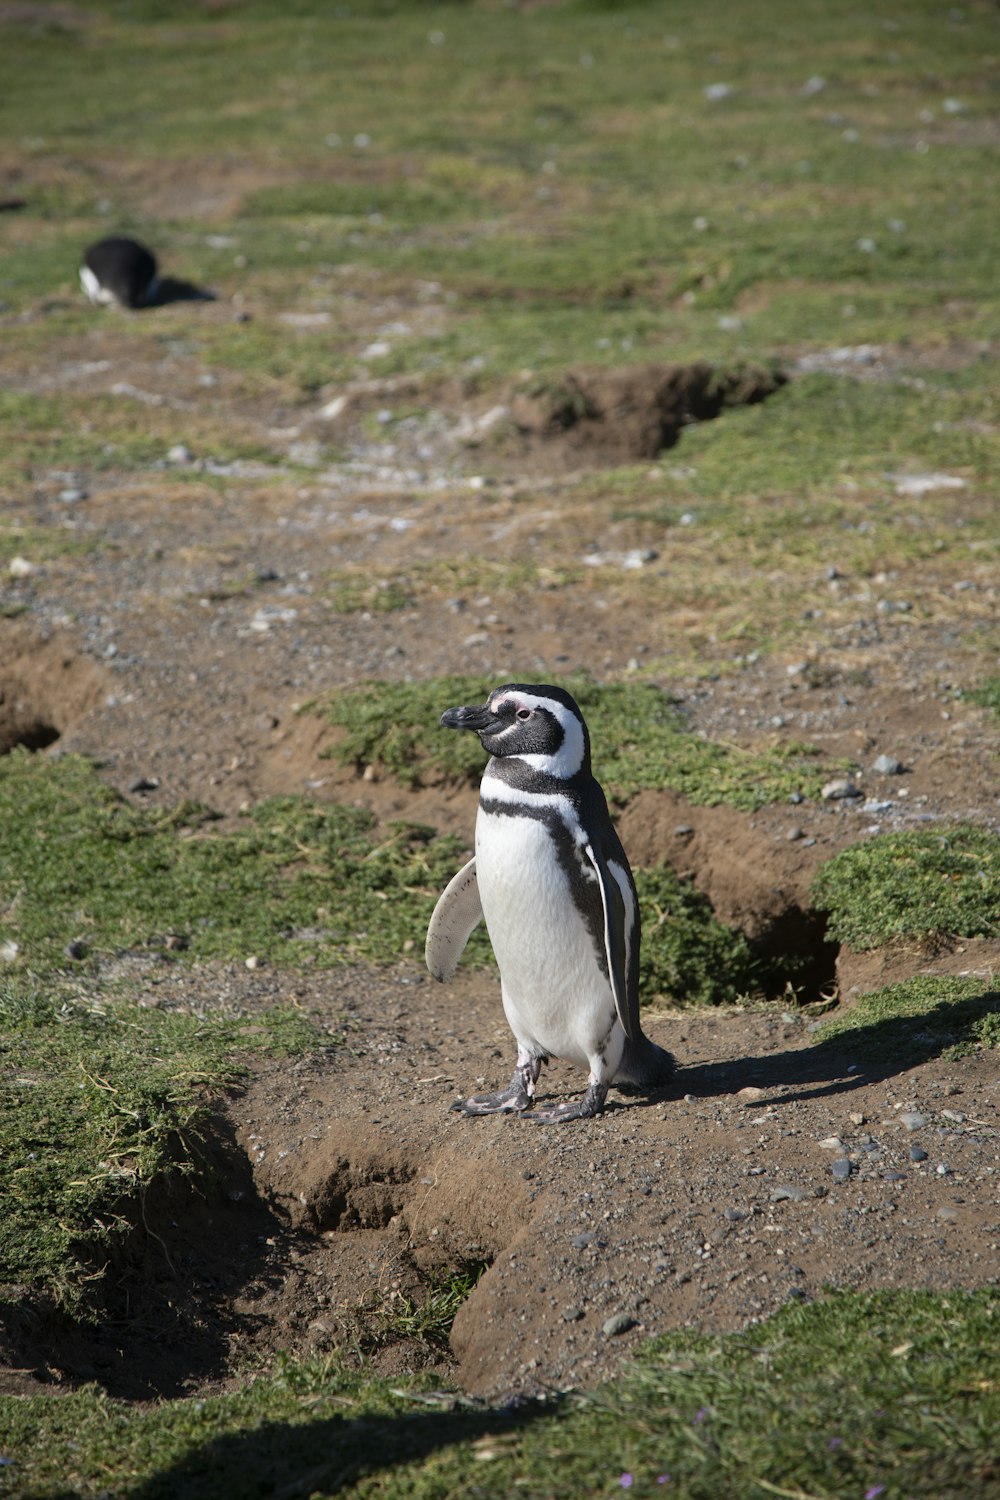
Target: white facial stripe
{"x": 569, "y": 757}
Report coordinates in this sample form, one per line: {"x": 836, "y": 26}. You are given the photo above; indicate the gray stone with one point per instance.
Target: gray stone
{"x": 917, "y": 1153}
{"x": 912, "y": 1119}
{"x": 617, "y": 1323}
{"x": 840, "y": 790}
{"x": 787, "y": 1191}
{"x": 841, "y": 1169}
{"x": 887, "y": 765}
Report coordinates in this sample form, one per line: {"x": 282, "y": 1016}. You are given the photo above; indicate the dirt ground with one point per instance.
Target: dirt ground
{"x": 178, "y": 652}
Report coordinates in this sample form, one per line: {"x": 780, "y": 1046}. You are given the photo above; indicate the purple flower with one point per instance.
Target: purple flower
{"x": 876, "y": 1489}
{"x": 835, "y": 1443}
{"x": 626, "y": 1481}
{"x": 663, "y": 1478}
{"x": 700, "y": 1414}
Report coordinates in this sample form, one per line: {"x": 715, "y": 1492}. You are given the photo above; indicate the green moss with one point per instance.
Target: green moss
{"x": 987, "y": 696}
{"x": 100, "y": 1099}
{"x": 888, "y": 1393}
{"x": 298, "y": 882}
{"x": 919, "y": 1018}
{"x": 688, "y": 956}
{"x": 919, "y": 884}
{"x": 637, "y": 735}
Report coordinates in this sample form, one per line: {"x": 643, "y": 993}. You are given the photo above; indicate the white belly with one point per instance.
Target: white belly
{"x": 556, "y": 998}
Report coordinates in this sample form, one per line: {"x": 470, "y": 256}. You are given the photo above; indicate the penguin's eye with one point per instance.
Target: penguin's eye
{"x": 524, "y": 713}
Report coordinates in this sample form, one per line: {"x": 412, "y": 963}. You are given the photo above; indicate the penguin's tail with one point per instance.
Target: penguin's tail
{"x": 644, "y": 1065}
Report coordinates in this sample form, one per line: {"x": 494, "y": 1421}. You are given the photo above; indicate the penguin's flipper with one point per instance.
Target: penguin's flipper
{"x": 619, "y": 917}
{"x": 456, "y": 914}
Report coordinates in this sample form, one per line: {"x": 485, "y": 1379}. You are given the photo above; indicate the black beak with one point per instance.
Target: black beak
{"x": 476, "y": 719}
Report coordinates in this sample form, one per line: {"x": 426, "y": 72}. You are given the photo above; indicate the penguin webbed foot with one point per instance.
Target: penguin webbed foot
{"x": 514, "y": 1099}
{"x": 587, "y": 1108}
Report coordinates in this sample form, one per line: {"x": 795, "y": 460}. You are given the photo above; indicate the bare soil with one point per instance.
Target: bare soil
{"x": 179, "y": 651}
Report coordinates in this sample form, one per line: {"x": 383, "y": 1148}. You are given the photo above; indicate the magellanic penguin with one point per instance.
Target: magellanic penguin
{"x": 553, "y": 882}
{"x": 120, "y": 270}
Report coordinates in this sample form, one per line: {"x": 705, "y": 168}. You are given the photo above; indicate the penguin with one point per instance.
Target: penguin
{"x": 120, "y": 270}
{"x": 553, "y": 883}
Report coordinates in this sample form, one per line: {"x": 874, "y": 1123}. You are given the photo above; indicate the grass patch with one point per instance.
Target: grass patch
{"x": 859, "y": 1391}
{"x": 920, "y": 1018}
{"x": 688, "y": 956}
{"x": 299, "y": 882}
{"x": 99, "y": 1099}
{"x": 920, "y": 884}
{"x": 637, "y": 734}
{"x": 423, "y": 1320}
{"x": 987, "y": 696}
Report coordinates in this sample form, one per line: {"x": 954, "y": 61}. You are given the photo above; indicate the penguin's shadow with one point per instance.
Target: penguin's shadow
{"x": 838, "y": 1065}
{"x": 325, "y": 1454}
{"x": 170, "y": 289}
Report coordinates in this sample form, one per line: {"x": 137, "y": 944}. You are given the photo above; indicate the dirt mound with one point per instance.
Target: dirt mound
{"x": 46, "y": 687}
{"x": 614, "y": 416}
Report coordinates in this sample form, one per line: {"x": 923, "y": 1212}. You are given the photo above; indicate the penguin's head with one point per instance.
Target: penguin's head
{"x": 539, "y": 724}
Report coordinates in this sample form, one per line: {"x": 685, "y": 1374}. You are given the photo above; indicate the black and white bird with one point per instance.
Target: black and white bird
{"x": 120, "y": 270}
{"x": 553, "y": 882}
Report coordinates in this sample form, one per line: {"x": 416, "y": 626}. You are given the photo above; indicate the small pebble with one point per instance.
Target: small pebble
{"x": 840, "y": 790}
{"x": 947, "y": 1212}
{"x": 734, "y": 1215}
{"x": 954, "y": 1115}
{"x": 751, "y": 1094}
{"x": 788, "y": 1192}
{"x": 144, "y": 784}
{"x": 912, "y": 1119}
{"x": 618, "y": 1323}
{"x": 180, "y": 453}
{"x": 572, "y": 1314}
{"x": 581, "y": 1241}
{"x": 917, "y": 1153}
{"x": 841, "y": 1169}
{"x": 72, "y": 496}
{"x": 832, "y": 1143}
{"x": 794, "y": 834}
{"x": 887, "y": 765}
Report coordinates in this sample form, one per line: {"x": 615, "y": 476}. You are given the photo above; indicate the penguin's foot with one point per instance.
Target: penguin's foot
{"x": 514, "y": 1099}
{"x": 591, "y": 1105}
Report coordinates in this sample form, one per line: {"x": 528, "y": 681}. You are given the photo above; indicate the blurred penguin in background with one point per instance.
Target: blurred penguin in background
{"x": 120, "y": 272}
